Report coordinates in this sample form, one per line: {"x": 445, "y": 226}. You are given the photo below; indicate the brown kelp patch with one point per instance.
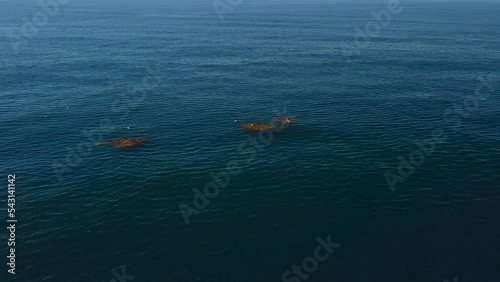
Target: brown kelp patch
{"x": 284, "y": 120}
{"x": 122, "y": 143}
{"x": 256, "y": 126}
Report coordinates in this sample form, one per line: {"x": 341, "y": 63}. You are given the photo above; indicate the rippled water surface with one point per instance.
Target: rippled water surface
{"x": 84, "y": 210}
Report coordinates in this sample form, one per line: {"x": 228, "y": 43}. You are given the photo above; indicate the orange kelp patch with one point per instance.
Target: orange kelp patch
{"x": 256, "y": 126}
{"x": 122, "y": 143}
{"x": 284, "y": 120}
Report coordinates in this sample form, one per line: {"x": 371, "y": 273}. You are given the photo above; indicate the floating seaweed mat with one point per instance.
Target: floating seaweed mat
{"x": 256, "y": 126}
{"x": 284, "y": 120}
{"x": 122, "y": 143}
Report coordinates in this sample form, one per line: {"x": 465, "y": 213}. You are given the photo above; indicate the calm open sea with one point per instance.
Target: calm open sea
{"x": 359, "y": 167}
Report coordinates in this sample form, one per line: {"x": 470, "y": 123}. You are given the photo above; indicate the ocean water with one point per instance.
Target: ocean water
{"x": 179, "y": 75}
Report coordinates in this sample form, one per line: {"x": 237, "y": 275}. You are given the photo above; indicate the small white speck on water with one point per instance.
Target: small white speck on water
{"x": 128, "y": 127}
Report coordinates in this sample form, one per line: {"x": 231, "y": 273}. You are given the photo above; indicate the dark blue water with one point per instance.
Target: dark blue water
{"x": 181, "y": 77}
